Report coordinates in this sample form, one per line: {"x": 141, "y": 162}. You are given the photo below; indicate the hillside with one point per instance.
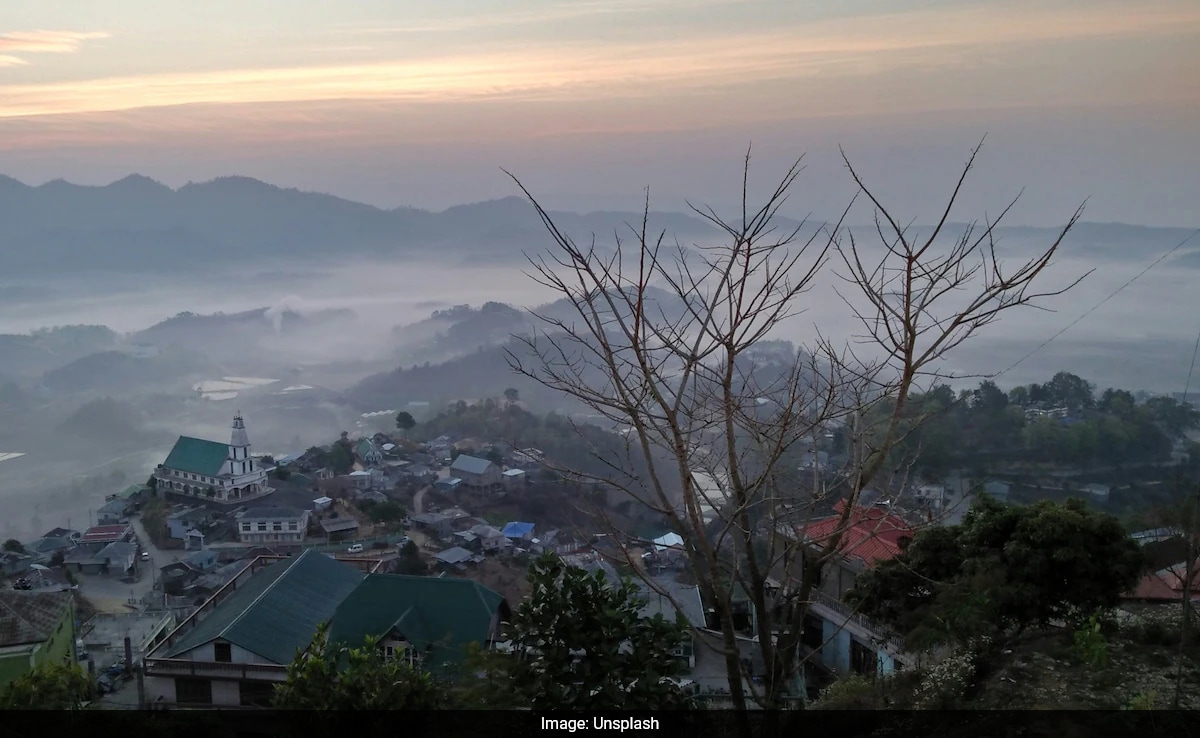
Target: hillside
{"x": 139, "y": 225}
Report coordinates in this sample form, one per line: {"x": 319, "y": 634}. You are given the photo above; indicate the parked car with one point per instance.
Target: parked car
{"x": 145, "y": 555}
{"x": 355, "y": 549}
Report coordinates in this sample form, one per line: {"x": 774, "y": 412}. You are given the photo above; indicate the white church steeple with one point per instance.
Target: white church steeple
{"x": 239, "y": 448}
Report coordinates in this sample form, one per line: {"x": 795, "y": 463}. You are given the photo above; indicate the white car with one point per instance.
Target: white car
{"x": 355, "y": 549}
{"x": 145, "y": 555}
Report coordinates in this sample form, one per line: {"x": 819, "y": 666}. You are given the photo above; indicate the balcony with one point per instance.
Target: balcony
{"x": 847, "y": 614}
{"x": 215, "y": 670}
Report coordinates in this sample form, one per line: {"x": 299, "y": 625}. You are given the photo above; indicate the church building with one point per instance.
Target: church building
{"x": 215, "y": 471}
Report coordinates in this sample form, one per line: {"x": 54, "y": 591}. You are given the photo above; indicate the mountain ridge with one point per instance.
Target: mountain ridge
{"x": 139, "y": 224}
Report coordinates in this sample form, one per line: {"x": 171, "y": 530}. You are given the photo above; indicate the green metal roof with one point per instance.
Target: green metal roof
{"x": 427, "y": 611}
{"x": 197, "y": 456}
{"x": 131, "y": 491}
{"x": 277, "y": 610}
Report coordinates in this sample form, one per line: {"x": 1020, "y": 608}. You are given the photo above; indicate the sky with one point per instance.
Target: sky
{"x": 422, "y": 102}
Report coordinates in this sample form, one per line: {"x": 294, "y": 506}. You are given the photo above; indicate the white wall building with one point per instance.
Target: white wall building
{"x": 215, "y": 471}
{"x": 273, "y": 525}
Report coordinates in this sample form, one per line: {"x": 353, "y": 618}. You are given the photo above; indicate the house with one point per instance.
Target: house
{"x": 273, "y": 525}
{"x": 427, "y": 621}
{"x": 519, "y": 532}
{"x": 339, "y": 527}
{"x": 467, "y": 539}
{"x": 667, "y": 597}
{"x": 322, "y": 503}
{"x": 184, "y": 519}
{"x": 133, "y": 494}
{"x": 454, "y": 557}
{"x": 202, "y": 560}
{"x": 419, "y": 473}
{"x": 666, "y": 552}
{"x": 368, "y": 453}
{"x": 107, "y": 534}
{"x": 489, "y": 538}
{"x": 36, "y": 628}
{"x": 222, "y": 472}
{"x": 845, "y": 641}
{"x": 475, "y": 472}
{"x": 83, "y": 559}
{"x": 359, "y": 480}
{"x": 44, "y": 548}
{"x": 13, "y": 563}
{"x": 118, "y": 557}
{"x": 238, "y": 645}
{"x": 437, "y": 524}
{"x": 114, "y": 511}
{"x": 449, "y": 484}
{"x": 514, "y": 478}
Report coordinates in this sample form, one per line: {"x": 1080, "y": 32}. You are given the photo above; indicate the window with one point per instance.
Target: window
{"x": 223, "y": 652}
{"x": 389, "y": 652}
{"x": 256, "y": 694}
{"x": 277, "y": 526}
{"x": 813, "y": 635}
{"x": 863, "y": 660}
{"x": 292, "y": 526}
{"x": 413, "y": 657}
{"x": 193, "y": 691}
{"x": 245, "y": 527}
{"x": 262, "y": 527}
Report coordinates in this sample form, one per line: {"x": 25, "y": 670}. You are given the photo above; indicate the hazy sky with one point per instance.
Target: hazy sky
{"x": 419, "y": 102}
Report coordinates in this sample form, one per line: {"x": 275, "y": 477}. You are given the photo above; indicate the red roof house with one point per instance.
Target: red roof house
{"x": 870, "y": 534}
{"x": 107, "y": 534}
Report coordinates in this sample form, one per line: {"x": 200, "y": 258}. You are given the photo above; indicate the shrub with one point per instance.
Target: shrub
{"x": 853, "y": 693}
{"x": 1089, "y": 645}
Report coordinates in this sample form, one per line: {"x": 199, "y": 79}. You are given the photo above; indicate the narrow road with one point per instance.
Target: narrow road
{"x": 419, "y": 500}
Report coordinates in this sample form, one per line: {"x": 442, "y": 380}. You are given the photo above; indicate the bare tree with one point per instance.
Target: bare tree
{"x": 715, "y": 435}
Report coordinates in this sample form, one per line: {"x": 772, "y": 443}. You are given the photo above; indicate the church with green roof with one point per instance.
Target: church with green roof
{"x": 211, "y": 470}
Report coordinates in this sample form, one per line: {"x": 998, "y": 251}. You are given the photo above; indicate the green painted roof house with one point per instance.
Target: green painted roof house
{"x": 197, "y": 456}
{"x": 277, "y": 610}
{"x": 437, "y": 615}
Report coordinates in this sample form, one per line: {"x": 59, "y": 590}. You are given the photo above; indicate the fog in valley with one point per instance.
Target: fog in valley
{"x": 102, "y": 365}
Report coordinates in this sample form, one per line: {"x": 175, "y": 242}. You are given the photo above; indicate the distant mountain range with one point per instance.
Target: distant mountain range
{"x": 139, "y": 224}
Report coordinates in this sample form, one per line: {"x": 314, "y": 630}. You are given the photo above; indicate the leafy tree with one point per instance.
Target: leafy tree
{"x": 387, "y": 511}
{"x": 341, "y": 455}
{"x": 1003, "y": 570}
{"x": 14, "y": 546}
{"x": 48, "y": 687}
{"x": 580, "y": 644}
{"x": 57, "y": 558}
{"x": 1175, "y": 417}
{"x": 1117, "y": 401}
{"x": 410, "y": 561}
{"x": 511, "y": 396}
{"x": 405, "y": 422}
{"x": 1067, "y": 389}
{"x": 989, "y": 398}
{"x": 331, "y": 676}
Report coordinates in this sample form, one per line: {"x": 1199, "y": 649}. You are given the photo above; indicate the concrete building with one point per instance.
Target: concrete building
{"x": 273, "y": 525}
{"x": 221, "y": 472}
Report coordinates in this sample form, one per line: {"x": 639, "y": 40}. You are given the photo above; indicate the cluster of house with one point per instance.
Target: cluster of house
{"x": 101, "y": 549}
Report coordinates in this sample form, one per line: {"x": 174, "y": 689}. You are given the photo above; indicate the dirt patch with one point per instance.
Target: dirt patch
{"x": 504, "y": 575}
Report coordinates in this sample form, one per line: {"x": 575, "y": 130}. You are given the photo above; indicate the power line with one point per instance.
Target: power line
{"x": 1098, "y": 305}
{"x": 1188, "y": 384}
